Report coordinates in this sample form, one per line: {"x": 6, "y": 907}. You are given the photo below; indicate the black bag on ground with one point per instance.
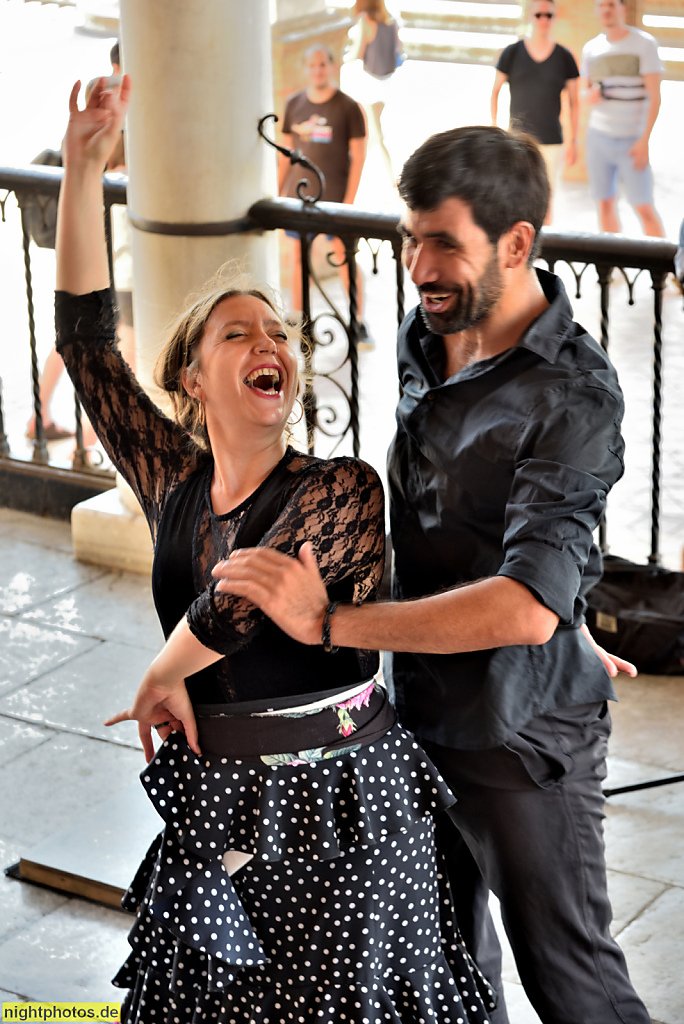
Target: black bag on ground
{"x": 637, "y": 612}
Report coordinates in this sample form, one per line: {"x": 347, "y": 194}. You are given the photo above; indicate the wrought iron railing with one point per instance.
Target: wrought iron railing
{"x": 35, "y": 190}
{"x": 307, "y": 218}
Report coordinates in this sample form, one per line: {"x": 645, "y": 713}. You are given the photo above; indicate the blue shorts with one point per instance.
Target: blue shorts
{"x": 608, "y": 161}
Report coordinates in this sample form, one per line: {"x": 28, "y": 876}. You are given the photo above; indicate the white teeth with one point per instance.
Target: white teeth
{"x": 265, "y": 371}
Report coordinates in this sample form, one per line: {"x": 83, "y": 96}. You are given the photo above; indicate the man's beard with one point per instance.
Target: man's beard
{"x": 473, "y": 303}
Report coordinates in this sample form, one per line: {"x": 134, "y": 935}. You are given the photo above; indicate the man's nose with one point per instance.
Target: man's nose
{"x": 420, "y": 267}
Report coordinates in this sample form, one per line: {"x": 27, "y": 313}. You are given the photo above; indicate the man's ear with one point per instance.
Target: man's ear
{"x": 517, "y": 244}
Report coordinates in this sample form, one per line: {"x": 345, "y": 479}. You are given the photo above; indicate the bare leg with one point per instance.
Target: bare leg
{"x": 340, "y": 259}
{"x": 295, "y": 259}
{"x": 373, "y": 113}
{"x": 608, "y": 218}
{"x": 650, "y": 220}
{"x": 52, "y": 371}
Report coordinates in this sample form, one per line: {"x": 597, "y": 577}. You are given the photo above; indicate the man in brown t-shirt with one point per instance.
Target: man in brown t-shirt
{"x": 330, "y": 129}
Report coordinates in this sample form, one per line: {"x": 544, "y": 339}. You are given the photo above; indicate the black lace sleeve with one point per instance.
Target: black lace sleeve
{"x": 338, "y": 505}
{"x": 150, "y": 450}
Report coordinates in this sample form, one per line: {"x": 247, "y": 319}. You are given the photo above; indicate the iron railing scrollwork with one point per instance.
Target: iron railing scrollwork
{"x": 617, "y": 253}
{"x": 309, "y": 217}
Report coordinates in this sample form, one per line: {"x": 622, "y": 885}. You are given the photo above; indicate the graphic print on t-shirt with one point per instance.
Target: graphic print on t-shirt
{"x": 314, "y": 129}
{"x": 619, "y": 75}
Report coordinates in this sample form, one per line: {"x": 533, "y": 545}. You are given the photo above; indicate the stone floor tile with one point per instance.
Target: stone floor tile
{"x": 638, "y": 735}
{"x": 17, "y": 737}
{"x": 22, "y": 904}
{"x": 11, "y": 997}
{"x": 29, "y": 574}
{"x": 644, "y": 830}
{"x": 28, "y": 650}
{"x": 79, "y": 696}
{"x": 519, "y": 1008}
{"x": 629, "y": 897}
{"x": 58, "y": 781}
{"x": 48, "y": 533}
{"x": 68, "y": 955}
{"x": 118, "y": 606}
{"x": 653, "y": 945}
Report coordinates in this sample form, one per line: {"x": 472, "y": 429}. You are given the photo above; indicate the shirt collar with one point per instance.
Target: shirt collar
{"x": 545, "y": 335}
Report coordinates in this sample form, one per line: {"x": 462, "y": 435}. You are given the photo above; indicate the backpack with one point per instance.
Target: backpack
{"x": 40, "y": 211}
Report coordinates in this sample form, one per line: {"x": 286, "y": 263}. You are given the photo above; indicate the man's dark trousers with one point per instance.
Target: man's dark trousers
{"x": 531, "y": 815}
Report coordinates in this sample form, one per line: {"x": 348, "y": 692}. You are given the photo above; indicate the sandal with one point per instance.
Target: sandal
{"x": 51, "y": 432}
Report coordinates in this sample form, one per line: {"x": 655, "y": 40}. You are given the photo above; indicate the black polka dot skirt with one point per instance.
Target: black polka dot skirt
{"x": 341, "y": 915}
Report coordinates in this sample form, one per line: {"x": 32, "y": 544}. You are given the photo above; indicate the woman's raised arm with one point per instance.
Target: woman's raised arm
{"x": 90, "y": 137}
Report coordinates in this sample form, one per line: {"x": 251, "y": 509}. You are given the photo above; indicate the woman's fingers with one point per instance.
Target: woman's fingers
{"x": 125, "y": 90}
{"x": 73, "y": 98}
{"x": 145, "y": 734}
{"x": 123, "y": 716}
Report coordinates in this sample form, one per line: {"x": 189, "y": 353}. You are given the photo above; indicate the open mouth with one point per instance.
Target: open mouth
{"x": 435, "y": 302}
{"x": 266, "y": 379}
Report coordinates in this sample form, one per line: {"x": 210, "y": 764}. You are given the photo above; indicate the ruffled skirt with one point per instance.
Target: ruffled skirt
{"x": 341, "y": 914}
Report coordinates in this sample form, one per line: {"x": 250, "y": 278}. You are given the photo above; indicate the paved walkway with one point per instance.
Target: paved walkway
{"x": 75, "y": 642}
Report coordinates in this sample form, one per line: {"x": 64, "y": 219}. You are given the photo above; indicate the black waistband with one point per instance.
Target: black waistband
{"x": 254, "y": 707}
{"x": 248, "y": 736}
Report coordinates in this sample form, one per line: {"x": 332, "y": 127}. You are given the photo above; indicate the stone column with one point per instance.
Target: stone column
{"x": 202, "y": 78}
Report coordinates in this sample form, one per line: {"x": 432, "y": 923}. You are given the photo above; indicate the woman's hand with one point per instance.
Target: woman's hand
{"x": 92, "y": 133}
{"x": 160, "y": 703}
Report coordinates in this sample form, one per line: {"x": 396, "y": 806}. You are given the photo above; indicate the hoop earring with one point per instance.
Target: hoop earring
{"x": 201, "y": 415}
{"x": 293, "y": 423}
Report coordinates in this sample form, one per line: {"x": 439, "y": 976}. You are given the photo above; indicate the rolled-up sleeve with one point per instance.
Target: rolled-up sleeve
{"x": 569, "y": 456}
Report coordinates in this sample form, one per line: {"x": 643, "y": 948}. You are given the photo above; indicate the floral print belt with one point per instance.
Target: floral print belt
{"x": 297, "y": 737}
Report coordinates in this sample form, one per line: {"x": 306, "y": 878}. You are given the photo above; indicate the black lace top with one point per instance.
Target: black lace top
{"x": 336, "y": 504}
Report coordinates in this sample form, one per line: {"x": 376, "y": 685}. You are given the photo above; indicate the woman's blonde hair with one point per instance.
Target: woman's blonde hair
{"x": 375, "y": 9}
{"x": 185, "y": 334}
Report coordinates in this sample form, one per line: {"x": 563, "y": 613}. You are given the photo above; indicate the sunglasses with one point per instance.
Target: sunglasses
{"x": 544, "y": 14}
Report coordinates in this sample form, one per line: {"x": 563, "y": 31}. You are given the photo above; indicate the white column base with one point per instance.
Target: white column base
{"x": 105, "y": 532}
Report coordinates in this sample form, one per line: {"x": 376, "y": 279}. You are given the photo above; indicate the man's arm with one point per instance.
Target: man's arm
{"x": 289, "y": 588}
{"x": 573, "y": 98}
{"x": 493, "y": 612}
{"x": 494, "y": 102}
{"x": 639, "y": 151}
{"x": 357, "y": 156}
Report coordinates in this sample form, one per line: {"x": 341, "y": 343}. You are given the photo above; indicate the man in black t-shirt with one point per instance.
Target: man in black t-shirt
{"x": 537, "y": 70}
{"x": 329, "y": 128}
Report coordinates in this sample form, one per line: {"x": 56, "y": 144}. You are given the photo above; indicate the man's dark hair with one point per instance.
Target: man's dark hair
{"x": 501, "y": 175}
{"x": 114, "y": 54}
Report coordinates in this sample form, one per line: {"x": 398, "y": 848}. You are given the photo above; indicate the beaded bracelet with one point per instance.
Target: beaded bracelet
{"x": 325, "y": 632}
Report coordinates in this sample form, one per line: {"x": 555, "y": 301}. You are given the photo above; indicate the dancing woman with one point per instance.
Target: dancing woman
{"x": 295, "y": 878}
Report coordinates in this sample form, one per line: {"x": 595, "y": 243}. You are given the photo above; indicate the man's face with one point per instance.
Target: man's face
{"x": 542, "y": 14}
{"x": 318, "y": 70}
{"x": 453, "y": 265}
{"x": 610, "y": 13}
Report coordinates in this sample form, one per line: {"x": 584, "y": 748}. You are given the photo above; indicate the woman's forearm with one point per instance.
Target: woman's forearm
{"x": 182, "y": 655}
{"x": 82, "y": 264}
